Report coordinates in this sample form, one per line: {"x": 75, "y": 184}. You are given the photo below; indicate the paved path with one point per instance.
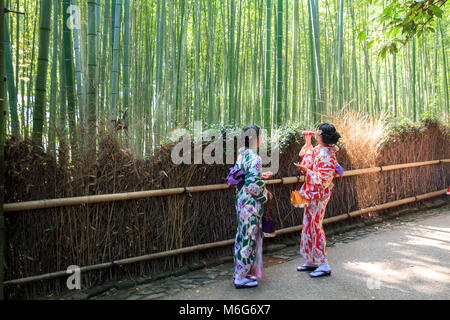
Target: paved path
{"x": 407, "y": 257}
{"x": 409, "y": 261}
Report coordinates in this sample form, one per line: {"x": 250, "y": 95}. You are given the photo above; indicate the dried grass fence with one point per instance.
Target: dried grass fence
{"x": 44, "y": 240}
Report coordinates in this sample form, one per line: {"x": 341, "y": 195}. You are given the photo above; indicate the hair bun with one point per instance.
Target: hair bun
{"x": 329, "y": 133}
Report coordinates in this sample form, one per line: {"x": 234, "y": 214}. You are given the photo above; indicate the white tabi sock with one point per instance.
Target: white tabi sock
{"x": 310, "y": 264}
{"x": 243, "y": 281}
{"x": 323, "y": 267}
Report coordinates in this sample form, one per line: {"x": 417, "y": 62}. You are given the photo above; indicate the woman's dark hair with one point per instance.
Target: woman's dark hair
{"x": 250, "y": 131}
{"x": 329, "y": 133}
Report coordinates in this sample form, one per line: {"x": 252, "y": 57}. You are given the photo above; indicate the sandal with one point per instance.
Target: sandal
{"x": 306, "y": 268}
{"x": 320, "y": 273}
{"x": 248, "y": 284}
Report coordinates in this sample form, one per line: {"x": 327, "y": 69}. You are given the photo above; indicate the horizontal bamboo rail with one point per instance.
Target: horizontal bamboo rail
{"x": 219, "y": 244}
{"x": 64, "y": 202}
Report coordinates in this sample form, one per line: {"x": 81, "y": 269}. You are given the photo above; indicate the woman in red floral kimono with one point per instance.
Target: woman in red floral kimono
{"x": 319, "y": 167}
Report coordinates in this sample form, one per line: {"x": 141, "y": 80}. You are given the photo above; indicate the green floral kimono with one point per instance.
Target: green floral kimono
{"x": 249, "y": 207}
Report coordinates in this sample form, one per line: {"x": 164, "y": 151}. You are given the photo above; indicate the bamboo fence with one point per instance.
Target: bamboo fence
{"x": 41, "y": 204}
{"x": 64, "y": 202}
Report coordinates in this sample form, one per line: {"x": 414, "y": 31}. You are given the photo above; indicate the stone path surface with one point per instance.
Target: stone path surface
{"x": 405, "y": 257}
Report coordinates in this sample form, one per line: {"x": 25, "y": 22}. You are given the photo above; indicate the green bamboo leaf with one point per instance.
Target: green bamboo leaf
{"x": 361, "y": 35}
{"x": 436, "y": 11}
{"x": 396, "y": 30}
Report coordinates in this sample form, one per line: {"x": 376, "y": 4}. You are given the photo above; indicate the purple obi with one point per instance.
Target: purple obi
{"x": 236, "y": 178}
{"x": 339, "y": 170}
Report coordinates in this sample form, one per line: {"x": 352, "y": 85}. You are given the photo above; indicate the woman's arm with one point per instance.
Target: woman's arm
{"x": 307, "y": 157}
{"x": 305, "y": 149}
{"x": 307, "y": 146}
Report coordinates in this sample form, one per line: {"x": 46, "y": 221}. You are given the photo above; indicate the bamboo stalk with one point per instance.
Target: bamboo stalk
{"x": 410, "y": 165}
{"x": 267, "y": 105}
{"x": 2, "y": 148}
{"x": 358, "y": 172}
{"x": 69, "y": 80}
{"x": 78, "y": 73}
{"x": 63, "y": 202}
{"x": 92, "y": 85}
{"x": 41, "y": 75}
{"x": 223, "y": 243}
{"x": 43, "y": 204}
{"x": 115, "y": 55}
{"x": 54, "y": 82}
{"x": 12, "y": 92}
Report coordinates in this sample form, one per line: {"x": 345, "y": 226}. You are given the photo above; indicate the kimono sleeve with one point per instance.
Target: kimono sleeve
{"x": 323, "y": 173}
{"x": 304, "y": 150}
{"x": 253, "y": 182}
{"x": 238, "y": 164}
{"x": 307, "y": 157}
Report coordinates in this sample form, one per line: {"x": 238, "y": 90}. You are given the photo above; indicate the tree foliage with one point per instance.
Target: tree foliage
{"x": 405, "y": 19}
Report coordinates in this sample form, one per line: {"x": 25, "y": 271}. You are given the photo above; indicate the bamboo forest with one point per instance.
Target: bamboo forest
{"x": 150, "y": 66}
{"x": 95, "y": 94}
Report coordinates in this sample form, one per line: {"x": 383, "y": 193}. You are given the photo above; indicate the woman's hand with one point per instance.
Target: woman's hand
{"x": 267, "y": 175}
{"x": 269, "y": 195}
{"x": 308, "y": 135}
{"x": 308, "y": 141}
{"x": 303, "y": 169}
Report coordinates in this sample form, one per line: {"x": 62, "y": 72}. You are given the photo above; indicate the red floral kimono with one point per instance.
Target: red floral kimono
{"x": 321, "y": 163}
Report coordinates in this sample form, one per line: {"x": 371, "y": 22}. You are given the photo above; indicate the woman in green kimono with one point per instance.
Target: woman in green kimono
{"x": 249, "y": 206}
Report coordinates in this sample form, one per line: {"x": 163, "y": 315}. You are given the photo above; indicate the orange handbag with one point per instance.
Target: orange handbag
{"x": 296, "y": 199}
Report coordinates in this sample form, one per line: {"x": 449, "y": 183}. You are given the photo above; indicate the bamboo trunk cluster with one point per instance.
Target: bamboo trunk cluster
{"x": 219, "y": 62}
